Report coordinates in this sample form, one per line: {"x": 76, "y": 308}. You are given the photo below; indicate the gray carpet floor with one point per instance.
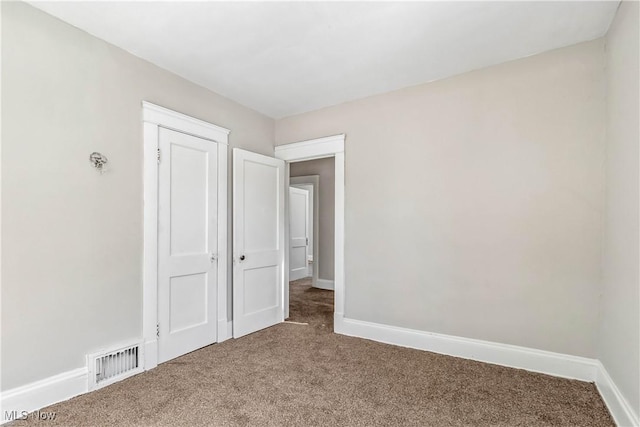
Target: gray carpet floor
{"x": 304, "y": 375}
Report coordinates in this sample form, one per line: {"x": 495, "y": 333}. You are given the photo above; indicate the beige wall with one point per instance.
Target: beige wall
{"x": 72, "y": 238}
{"x": 325, "y": 168}
{"x": 619, "y": 338}
{"x": 474, "y": 205}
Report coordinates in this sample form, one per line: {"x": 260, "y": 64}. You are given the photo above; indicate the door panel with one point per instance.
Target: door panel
{"x": 189, "y": 198}
{"x": 298, "y": 228}
{"x": 260, "y": 207}
{"x": 187, "y": 239}
{"x": 260, "y": 289}
{"x": 258, "y": 236}
{"x": 188, "y": 296}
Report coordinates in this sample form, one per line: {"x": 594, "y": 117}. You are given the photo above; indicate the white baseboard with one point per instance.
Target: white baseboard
{"x": 150, "y": 354}
{"x": 546, "y": 362}
{"x": 19, "y": 401}
{"x": 324, "y": 284}
{"x": 619, "y": 408}
{"x": 43, "y": 393}
{"x": 69, "y": 384}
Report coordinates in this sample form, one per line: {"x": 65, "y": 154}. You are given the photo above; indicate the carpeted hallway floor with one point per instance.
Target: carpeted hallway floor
{"x": 310, "y": 305}
{"x": 304, "y": 375}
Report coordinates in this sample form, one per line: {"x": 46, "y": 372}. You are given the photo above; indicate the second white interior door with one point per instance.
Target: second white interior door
{"x": 258, "y": 241}
{"x": 298, "y": 233}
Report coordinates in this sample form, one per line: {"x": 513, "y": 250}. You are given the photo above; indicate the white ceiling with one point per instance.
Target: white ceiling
{"x": 284, "y": 58}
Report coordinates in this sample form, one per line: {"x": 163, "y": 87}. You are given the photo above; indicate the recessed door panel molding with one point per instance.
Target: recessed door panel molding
{"x": 260, "y": 289}
{"x": 261, "y": 229}
{"x": 189, "y": 199}
{"x": 188, "y": 298}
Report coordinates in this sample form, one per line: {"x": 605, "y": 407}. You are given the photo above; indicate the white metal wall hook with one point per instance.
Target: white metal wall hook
{"x": 98, "y": 160}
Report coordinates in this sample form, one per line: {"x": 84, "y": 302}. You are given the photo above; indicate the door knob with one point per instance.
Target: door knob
{"x": 242, "y": 257}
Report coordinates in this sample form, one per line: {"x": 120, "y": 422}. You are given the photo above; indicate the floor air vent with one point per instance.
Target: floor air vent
{"x": 109, "y": 367}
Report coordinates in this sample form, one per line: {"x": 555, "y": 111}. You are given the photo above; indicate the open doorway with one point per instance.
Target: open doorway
{"x": 261, "y": 233}
{"x": 312, "y": 242}
{"x": 298, "y": 152}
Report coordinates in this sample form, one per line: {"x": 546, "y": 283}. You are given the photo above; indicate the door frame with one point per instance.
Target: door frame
{"x": 153, "y": 118}
{"x": 330, "y": 146}
{"x": 314, "y": 182}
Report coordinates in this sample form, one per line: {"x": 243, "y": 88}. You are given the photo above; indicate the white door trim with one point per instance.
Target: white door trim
{"x": 311, "y": 149}
{"x": 154, "y": 117}
{"x": 313, "y": 181}
{"x": 331, "y": 146}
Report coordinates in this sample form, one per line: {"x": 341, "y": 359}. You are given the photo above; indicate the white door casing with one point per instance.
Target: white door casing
{"x": 298, "y": 233}
{"x": 155, "y": 118}
{"x": 258, "y": 241}
{"x": 330, "y": 146}
{"x": 187, "y": 244}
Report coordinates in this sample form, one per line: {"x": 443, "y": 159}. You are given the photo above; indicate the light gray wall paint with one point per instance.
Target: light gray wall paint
{"x": 72, "y": 238}
{"x": 474, "y": 204}
{"x": 325, "y": 168}
{"x": 619, "y": 338}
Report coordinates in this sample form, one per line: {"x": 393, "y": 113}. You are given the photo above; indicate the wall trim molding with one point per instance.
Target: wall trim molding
{"x": 545, "y": 362}
{"x": 64, "y": 386}
{"x": 39, "y": 394}
{"x": 530, "y": 359}
{"x": 310, "y": 149}
{"x": 150, "y": 354}
{"x": 324, "y": 284}
{"x": 152, "y": 113}
{"x": 620, "y": 409}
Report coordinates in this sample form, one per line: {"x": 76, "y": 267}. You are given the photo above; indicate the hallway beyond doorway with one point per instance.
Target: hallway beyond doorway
{"x": 310, "y": 305}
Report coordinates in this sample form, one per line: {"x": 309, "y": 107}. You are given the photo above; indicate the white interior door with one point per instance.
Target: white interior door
{"x": 258, "y": 241}
{"x": 298, "y": 233}
{"x": 310, "y": 226}
{"x": 187, "y": 244}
